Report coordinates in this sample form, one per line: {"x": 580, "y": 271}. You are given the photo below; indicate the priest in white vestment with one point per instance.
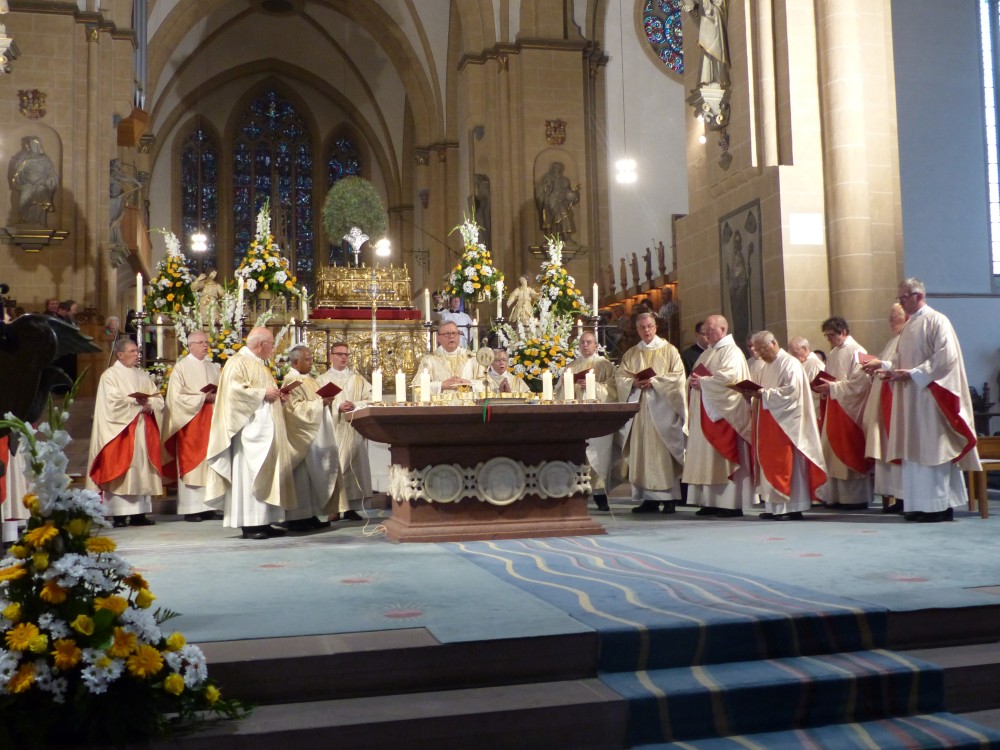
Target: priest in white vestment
{"x": 717, "y": 465}
{"x": 787, "y": 450}
{"x": 931, "y": 430}
{"x": 355, "y": 481}
{"x": 249, "y": 459}
{"x": 754, "y": 362}
{"x": 600, "y": 450}
{"x": 842, "y": 406}
{"x": 311, "y": 425}
{"x": 12, "y": 511}
{"x": 888, "y": 475}
{"x": 653, "y": 440}
{"x": 125, "y": 463}
{"x": 450, "y": 365}
{"x": 187, "y": 423}
{"x": 799, "y": 348}
{"x": 497, "y": 379}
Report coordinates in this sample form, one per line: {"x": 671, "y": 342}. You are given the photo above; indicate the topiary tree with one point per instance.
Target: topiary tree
{"x": 354, "y": 202}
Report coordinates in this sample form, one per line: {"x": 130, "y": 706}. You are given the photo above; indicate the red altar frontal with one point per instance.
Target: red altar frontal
{"x": 495, "y": 471}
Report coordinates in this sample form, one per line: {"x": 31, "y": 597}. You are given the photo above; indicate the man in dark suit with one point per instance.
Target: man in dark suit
{"x": 690, "y": 355}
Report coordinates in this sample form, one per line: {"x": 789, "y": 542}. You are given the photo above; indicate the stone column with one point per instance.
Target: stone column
{"x": 91, "y": 261}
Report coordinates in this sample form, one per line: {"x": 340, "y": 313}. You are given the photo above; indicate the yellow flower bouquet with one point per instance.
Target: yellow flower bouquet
{"x": 474, "y": 278}
{"x": 541, "y": 344}
{"x": 169, "y": 292}
{"x": 264, "y": 268}
{"x": 559, "y": 287}
{"x": 83, "y": 658}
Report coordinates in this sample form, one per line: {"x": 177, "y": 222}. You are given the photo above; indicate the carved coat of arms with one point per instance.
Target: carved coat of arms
{"x": 555, "y": 132}
{"x": 32, "y": 103}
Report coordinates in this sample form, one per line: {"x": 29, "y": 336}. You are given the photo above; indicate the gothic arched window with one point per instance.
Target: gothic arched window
{"x": 662, "y": 21}
{"x": 273, "y": 159}
{"x": 200, "y": 192}
{"x": 344, "y": 159}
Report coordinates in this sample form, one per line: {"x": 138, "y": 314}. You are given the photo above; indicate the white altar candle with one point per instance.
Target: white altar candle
{"x": 377, "y": 386}
{"x": 425, "y": 387}
{"x": 295, "y": 332}
{"x": 474, "y": 332}
{"x": 568, "y": 394}
{"x": 400, "y": 387}
{"x": 595, "y": 298}
{"x": 579, "y": 329}
{"x": 590, "y": 390}
{"x": 159, "y": 337}
{"x": 304, "y": 307}
{"x": 546, "y": 386}
{"x": 138, "y": 292}
{"x": 239, "y": 299}
{"x": 500, "y": 300}
{"x": 427, "y": 305}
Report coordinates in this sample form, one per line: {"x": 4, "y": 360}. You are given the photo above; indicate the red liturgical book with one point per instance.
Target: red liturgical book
{"x": 646, "y": 374}
{"x": 580, "y": 377}
{"x": 822, "y": 377}
{"x": 210, "y": 388}
{"x": 329, "y": 390}
{"x": 702, "y": 371}
{"x": 142, "y": 395}
{"x": 744, "y": 386}
{"x": 289, "y": 387}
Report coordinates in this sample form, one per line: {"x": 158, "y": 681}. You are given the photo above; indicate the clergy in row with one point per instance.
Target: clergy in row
{"x": 450, "y": 365}
{"x": 498, "y": 379}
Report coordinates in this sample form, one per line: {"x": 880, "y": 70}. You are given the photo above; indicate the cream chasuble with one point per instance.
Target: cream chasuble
{"x": 312, "y": 436}
{"x": 355, "y": 481}
{"x": 441, "y": 365}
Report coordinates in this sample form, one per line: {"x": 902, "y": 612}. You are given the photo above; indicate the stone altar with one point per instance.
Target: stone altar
{"x": 462, "y": 473}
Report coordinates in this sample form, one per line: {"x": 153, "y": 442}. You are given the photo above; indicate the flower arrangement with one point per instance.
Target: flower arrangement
{"x": 474, "y": 278}
{"x": 541, "y": 344}
{"x": 558, "y": 286}
{"x": 264, "y": 268}
{"x": 169, "y": 292}
{"x": 82, "y": 657}
{"x": 353, "y": 202}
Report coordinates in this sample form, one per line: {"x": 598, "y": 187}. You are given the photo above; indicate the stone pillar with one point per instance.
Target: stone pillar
{"x": 91, "y": 259}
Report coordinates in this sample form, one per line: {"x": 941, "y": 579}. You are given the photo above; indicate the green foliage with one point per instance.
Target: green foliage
{"x": 354, "y": 202}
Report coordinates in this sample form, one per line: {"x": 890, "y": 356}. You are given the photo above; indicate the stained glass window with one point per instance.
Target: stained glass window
{"x": 273, "y": 159}
{"x": 200, "y": 193}
{"x": 662, "y": 21}
{"x": 343, "y": 159}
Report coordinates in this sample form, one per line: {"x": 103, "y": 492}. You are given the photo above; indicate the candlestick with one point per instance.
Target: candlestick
{"x": 138, "y": 293}
{"x": 568, "y": 392}
{"x": 595, "y": 298}
{"x": 159, "y": 337}
{"x": 239, "y": 299}
{"x": 590, "y": 392}
{"x": 425, "y": 387}
{"x": 377, "y": 386}
{"x": 427, "y": 305}
{"x": 500, "y": 300}
{"x": 546, "y": 386}
{"x": 400, "y": 387}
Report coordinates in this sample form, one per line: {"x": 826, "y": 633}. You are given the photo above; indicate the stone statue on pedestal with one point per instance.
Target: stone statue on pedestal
{"x": 33, "y": 181}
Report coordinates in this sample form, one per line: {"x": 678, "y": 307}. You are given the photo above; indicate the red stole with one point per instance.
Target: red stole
{"x": 776, "y": 455}
{"x": 847, "y": 438}
{"x": 948, "y": 403}
{"x": 115, "y": 458}
{"x": 721, "y": 435}
{"x": 189, "y": 445}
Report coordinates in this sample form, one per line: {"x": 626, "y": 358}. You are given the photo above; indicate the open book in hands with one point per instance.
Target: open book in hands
{"x": 289, "y": 387}
{"x": 746, "y": 387}
{"x": 648, "y": 374}
{"x": 822, "y": 377}
{"x": 139, "y": 396}
{"x": 330, "y": 390}
{"x": 701, "y": 371}
{"x": 210, "y": 388}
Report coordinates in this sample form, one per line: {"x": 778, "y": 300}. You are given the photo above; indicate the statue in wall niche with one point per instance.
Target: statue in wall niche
{"x": 712, "y": 16}
{"x": 555, "y": 198}
{"x": 634, "y": 265}
{"x": 481, "y": 211}
{"x": 33, "y": 182}
{"x": 648, "y": 257}
{"x": 623, "y": 273}
{"x": 122, "y": 186}
{"x": 609, "y": 279}
{"x": 661, "y": 258}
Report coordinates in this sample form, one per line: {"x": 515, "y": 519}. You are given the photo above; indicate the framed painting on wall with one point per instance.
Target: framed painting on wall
{"x": 742, "y": 271}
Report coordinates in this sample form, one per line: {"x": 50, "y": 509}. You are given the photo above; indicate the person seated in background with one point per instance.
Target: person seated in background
{"x": 498, "y": 379}
{"x": 455, "y": 314}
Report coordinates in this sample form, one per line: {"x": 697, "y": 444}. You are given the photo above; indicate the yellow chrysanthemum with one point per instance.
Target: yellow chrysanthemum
{"x": 78, "y": 527}
{"x": 99, "y": 544}
{"x": 144, "y": 598}
{"x": 30, "y": 501}
{"x": 115, "y": 604}
{"x": 39, "y": 644}
{"x": 83, "y": 625}
{"x": 212, "y": 695}
{"x": 170, "y": 297}
{"x": 40, "y": 560}
{"x": 123, "y": 643}
{"x": 23, "y": 678}
{"x": 145, "y": 662}
{"x": 20, "y": 551}
{"x": 39, "y": 535}
{"x": 66, "y": 654}
{"x": 52, "y": 593}
{"x": 19, "y": 637}
{"x": 176, "y": 642}
{"x": 136, "y": 581}
{"x": 288, "y": 284}
{"x": 174, "y": 684}
{"x": 13, "y": 573}
{"x": 12, "y": 612}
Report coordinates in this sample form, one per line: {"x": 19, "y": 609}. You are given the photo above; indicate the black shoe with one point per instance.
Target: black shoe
{"x": 140, "y": 520}
{"x": 254, "y": 532}
{"x": 943, "y": 515}
{"x": 647, "y": 506}
{"x": 853, "y": 506}
{"x": 707, "y": 512}
{"x": 211, "y": 515}
{"x": 601, "y": 501}
{"x": 767, "y": 517}
{"x": 729, "y": 513}
{"x": 302, "y": 524}
{"x": 832, "y": 506}
{"x": 351, "y": 515}
{"x": 273, "y": 530}
{"x": 914, "y": 516}
{"x": 120, "y": 522}
{"x": 896, "y": 507}
{"x": 668, "y": 508}
{"x": 796, "y": 516}
{"x": 194, "y": 517}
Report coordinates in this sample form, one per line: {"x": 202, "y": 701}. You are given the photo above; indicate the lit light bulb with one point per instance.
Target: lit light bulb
{"x": 383, "y": 248}
{"x": 199, "y": 242}
{"x": 626, "y": 173}
{"x": 702, "y": 139}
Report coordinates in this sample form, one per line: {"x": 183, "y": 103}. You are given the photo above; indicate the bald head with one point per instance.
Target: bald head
{"x": 197, "y": 344}
{"x": 798, "y": 347}
{"x": 715, "y": 328}
{"x": 261, "y": 342}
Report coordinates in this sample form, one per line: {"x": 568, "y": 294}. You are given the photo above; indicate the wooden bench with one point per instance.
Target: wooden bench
{"x": 989, "y": 457}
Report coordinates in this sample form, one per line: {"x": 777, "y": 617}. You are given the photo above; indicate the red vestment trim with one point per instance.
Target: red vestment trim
{"x": 846, "y": 437}
{"x": 776, "y": 455}
{"x": 722, "y": 436}
{"x": 948, "y": 403}
{"x": 115, "y": 458}
{"x": 189, "y": 445}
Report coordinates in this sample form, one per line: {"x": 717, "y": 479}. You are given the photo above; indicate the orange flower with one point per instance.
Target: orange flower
{"x": 12, "y": 573}
{"x": 123, "y": 643}
{"x": 66, "y": 654}
{"x": 115, "y": 604}
{"x": 22, "y": 679}
{"x": 145, "y": 662}
{"x": 52, "y": 593}
{"x": 39, "y": 535}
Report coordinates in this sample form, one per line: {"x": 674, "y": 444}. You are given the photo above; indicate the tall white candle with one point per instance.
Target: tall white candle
{"x": 159, "y": 337}
{"x": 295, "y": 332}
{"x": 595, "y": 298}
{"x": 400, "y": 387}
{"x": 567, "y": 379}
{"x": 500, "y": 300}
{"x": 427, "y": 305}
{"x": 546, "y": 386}
{"x": 590, "y": 390}
{"x": 377, "y": 386}
{"x": 425, "y": 387}
{"x": 304, "y": 306}
{"x": 474, "y": 332}
{"x": 138, "y": 292}
{"x": 579, "y": 329}
{"x": 239, "y": 299}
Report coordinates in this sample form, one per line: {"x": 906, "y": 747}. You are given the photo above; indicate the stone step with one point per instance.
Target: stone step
{"x": 971, "y": 675}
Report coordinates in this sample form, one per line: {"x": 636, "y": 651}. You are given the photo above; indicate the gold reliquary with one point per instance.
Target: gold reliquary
{"x": 352, "y": 286}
